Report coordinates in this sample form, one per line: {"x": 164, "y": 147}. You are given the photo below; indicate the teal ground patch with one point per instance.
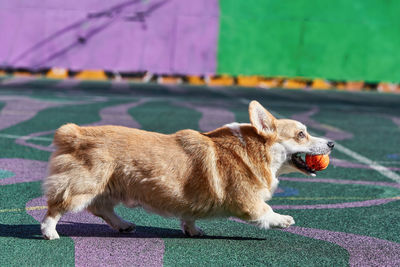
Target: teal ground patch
{"x": 156, "y": 116}
{"x": 5, "y": 174}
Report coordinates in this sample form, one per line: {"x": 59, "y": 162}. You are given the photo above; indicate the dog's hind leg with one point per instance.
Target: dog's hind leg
{"x": 190, "y": 229}
{"x": 48, "y": 225}
{"x": 104, "y": 208}
{"x": 57, "y": 207}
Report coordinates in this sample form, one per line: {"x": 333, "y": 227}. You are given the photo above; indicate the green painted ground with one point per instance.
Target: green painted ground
{"x": 366, "y": 123}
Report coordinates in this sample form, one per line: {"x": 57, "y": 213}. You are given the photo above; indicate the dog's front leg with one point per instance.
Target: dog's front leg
{"x": 263, "y": 216}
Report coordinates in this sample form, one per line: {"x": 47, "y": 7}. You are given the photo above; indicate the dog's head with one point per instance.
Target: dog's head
{"x": 291, "y": 141}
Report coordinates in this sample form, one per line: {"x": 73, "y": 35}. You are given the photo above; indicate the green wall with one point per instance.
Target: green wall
{"x": 338, "y": 39}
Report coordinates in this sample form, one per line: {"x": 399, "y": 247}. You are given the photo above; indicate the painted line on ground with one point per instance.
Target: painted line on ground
{"x": 12, "y": 136}
{"x": 373, "y": 164}
{"x": 24, "y": 209}
{"x": 18, "y": 80}
{"x": 331, "y": 198}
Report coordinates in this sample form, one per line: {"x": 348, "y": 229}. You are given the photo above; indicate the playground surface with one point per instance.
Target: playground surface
{"x": 348, "y": 215}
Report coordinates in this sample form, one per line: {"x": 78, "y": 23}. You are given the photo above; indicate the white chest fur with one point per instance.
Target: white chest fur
{"x": 278, "y": 158}
{"x": 267, "y": 193}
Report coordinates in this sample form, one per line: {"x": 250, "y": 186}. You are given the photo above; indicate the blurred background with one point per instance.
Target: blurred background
{"x": 351, "y": 45}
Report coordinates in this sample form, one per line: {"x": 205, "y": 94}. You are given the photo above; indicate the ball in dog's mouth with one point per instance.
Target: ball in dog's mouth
{"x": 300, "y": 164}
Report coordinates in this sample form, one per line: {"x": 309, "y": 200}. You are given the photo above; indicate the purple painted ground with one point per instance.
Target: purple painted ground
{"x": 24, "y": 170}
{"x": 98, "y": 245}
{"x": 364, "y": 250}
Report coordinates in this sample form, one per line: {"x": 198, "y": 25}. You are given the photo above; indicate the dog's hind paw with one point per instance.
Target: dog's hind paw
{"x": 48, "y": 228}
{"x": 130, "y": 228}
{"x": 50, "y": 235}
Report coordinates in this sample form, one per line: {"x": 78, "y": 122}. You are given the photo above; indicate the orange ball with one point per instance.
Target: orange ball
{"x": 317, "y": 162}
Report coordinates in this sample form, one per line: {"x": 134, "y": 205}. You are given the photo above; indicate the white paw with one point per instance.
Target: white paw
{"x": 282, "y": 221}
{"x": 48, "y": 228}
{"x": 49, "y": 234}
{"x": 274, "y": 220}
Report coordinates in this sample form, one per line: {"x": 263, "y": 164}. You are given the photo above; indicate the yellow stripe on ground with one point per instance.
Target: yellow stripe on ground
{"x": 36, "y": 208}
{"x": 12, "y": 210}
{"x": 21, "y": 210}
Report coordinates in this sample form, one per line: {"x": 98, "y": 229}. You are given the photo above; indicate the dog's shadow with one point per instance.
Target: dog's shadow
{"x": 32, "y": 231}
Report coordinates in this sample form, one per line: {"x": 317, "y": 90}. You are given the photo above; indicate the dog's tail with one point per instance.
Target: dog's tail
{"x": 67, "y": 136}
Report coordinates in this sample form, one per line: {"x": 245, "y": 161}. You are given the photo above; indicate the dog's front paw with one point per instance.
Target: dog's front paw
{"x": 281, "y": 221}
{"x": 274, "y": 220}
{"x": 193, "y": 232}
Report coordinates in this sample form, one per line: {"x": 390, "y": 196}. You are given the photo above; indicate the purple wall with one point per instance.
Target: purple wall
{"x": 175, "y": 36}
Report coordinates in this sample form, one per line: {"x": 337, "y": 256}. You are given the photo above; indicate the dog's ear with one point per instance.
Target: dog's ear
{"x": 261, "y": 118}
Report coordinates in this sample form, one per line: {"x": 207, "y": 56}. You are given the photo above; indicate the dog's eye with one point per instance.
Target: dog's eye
{"x": 301, "y": 134}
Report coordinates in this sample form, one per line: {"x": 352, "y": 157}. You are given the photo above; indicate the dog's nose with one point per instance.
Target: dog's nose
{"x": 331, "y": 144}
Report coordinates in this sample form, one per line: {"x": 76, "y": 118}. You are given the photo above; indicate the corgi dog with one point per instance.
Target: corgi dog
{"x": 229, "y": 172}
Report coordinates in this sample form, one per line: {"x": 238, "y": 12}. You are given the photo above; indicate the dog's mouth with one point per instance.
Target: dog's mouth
{"x": 301, "y": 165}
